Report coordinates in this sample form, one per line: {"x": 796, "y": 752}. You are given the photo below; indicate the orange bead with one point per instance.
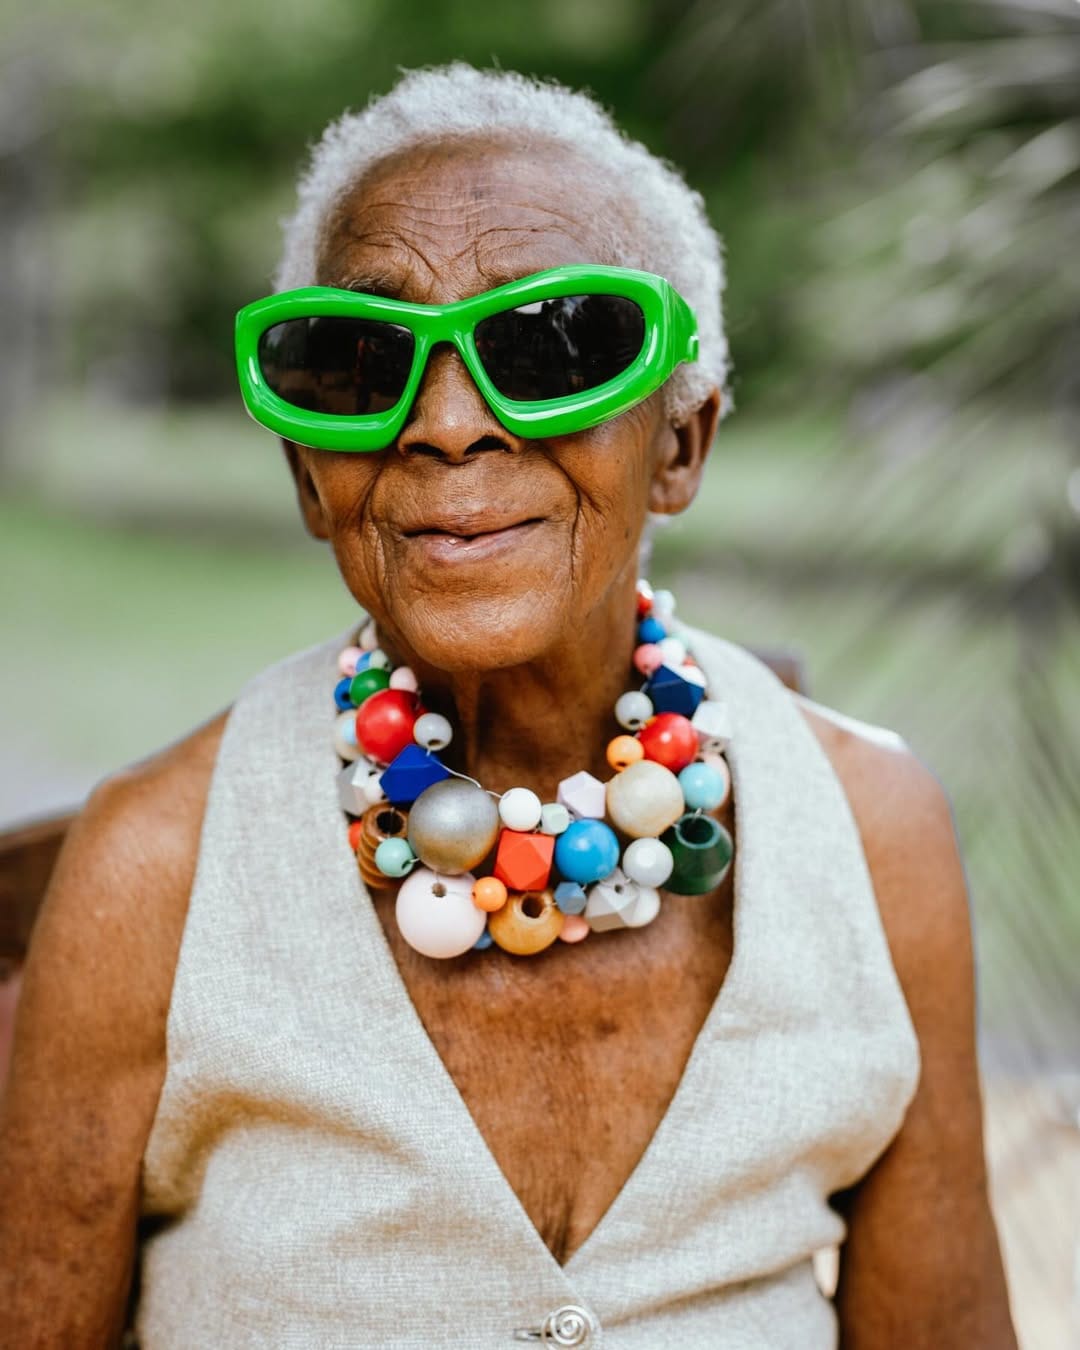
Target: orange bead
{"x": 624, "y": 751}
{"x": 523, "y": 861}
{"x": 356, "y": 833}
{"x": 489, "y": 893}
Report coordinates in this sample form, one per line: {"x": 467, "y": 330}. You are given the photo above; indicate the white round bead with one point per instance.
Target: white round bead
{"x": 663, "y": 605}
{"x": 404, "y": 678}
{"x": 345, "y": 735}
{"x": 648, "y": 862}
{"x": 433, "y": 731}
{"x": 520, "y": 809}
{"x": 673, "y": 650}
{"x": 369, "y": 638}
{"x": 378, "y": 660}
{"x": 644, "y": 800}
{"x": 436, "y": 914}
{"x": 633, "y": 709}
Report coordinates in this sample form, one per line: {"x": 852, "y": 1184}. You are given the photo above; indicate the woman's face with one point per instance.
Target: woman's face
{"x": 476, "y": 547}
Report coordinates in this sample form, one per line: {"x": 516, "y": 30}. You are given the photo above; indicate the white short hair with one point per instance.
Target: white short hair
{"x": 664, "y": 228}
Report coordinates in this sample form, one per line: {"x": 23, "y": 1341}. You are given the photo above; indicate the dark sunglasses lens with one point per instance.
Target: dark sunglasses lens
{"x": 349, "y": 367}
{"x": 553, "y": 348}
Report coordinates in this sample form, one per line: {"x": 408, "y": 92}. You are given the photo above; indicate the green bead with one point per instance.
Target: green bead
{"x": 368, "y": 682}
{"x": 394, "y": 857}
{"x": 702, "y": 850}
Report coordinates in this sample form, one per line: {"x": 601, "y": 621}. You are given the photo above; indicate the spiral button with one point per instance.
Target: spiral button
{"x": 570, "y": 1325}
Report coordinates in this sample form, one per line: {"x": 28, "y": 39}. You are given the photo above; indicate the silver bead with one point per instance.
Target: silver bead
{"x": 453, "y": 826}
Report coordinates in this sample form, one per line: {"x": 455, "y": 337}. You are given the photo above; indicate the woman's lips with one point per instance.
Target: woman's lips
{"x": 466, "y": 544}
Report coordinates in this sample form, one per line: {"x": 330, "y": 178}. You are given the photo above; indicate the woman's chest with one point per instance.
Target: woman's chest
{"x": 567, "y": 1061}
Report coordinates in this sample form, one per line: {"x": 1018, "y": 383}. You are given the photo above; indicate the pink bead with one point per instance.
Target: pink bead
{"x": 403, "y": 678}
{"x": 575, "y": 927}
{"x": 346, "y": 662}
{"x": 648, "y": 657}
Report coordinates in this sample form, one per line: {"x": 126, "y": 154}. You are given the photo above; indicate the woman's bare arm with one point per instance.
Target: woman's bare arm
{"x": 921, "y": 1265}
{"x": 89, "y": 1053}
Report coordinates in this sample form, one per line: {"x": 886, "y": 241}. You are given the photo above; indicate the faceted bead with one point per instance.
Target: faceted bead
{"x": 410, "y": 773}
{"x": 384, "y": 723}
{"x": 433, "y": 731}
{"x": 378, "y": 660}
{"x": 624, "y": 751}
{"x": 669, "y": 739}
{"x": 670, "y": 692}
{"x": 649, "y": 630}
{"x": 702, "y": 850}
{"x": 644, "y": 799}
{"x": 346, "y": 662}
{"x": 570, "y": 897}
{"x": 583, "y": 794}
{"x": 357, "y": 783}
{"x": 644, "y": 598}
{"x": 453, "y": 826}
{"x": 673, "y": 650}
{"x": 345, "y": 735}
{"x": 520, "y": 809}
{"x": 588, "y": 850}
{"x": 365, "y": 683}
{"x": 554, "y": 818}
{"x": 489, "y": 894}
{"x": 341, "y": 694}
{"x": 712, "y": 722}
{"x": 404, "y": 678}
{"x": 436, "y": 914}
{"x": 527, "y": 923}
{"x": 693, "y": 674}
{"x": 523, "y": 861}
{"x": 633, "y": 709}
{"x": 575, "y": 928}
{"x": 379, "y": 824}
{"x": 483, "y": 942}
{"x": 618, "y": 902}
{"x": 702, "y": 787}
{"x": 394, "y": 857}
{"x": 369, "y": 638}
{"x": 647, "y": 658}
{"x": 648, "y": 862}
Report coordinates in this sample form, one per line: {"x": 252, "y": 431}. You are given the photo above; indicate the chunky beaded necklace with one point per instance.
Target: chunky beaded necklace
{"x": 551, "y": 870}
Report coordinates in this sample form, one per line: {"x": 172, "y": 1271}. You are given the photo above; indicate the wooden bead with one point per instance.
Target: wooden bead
{"x": 384, "y": 723}
{"x": 453, "y": 826}
{"x": 345, "y": 735}
{"x": 436, "y": 914}
{"x": 356, "y": 829}
{"x": 523, "y": 861}
{"x": 554, "y": 818}
{"x": 712, "y": 722}
{"x": 703, "y": 788}
{"x": 624, "y": 751}
{"x": 647, "y": 658}
{"x": 489, "y": 894}
{"x": 669, "y": 739}
{"x": 583, "y": 794}
{"x": 588, "y": 850}
{"x": 360, "y": 786}
{"x": 378, "y": 823}
{"x": 644, "y": 799}
{"x": 365, "y": 683}
{"x": 346, "y": 662}
{"x": 644, "y": 598}
{"x": 527, "y": 923}
{"x": 702, "y": 850}
{"x": 575, "y": 928}
{"x": 404, "y": 678}
{"x": 648, "y": 862}
{"x": 618, "y": 902}
{"x": 520, "y": 809}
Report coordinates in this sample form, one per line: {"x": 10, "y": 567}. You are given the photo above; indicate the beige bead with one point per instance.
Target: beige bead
{"x": 644, "y": 799}
{"x": 527, "y": 923}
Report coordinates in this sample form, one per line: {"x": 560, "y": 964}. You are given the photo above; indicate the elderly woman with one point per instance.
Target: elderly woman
{"x": 405, "y": 1103}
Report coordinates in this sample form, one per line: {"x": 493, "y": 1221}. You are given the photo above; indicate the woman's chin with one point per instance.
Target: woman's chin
{"x": 462, "y": 631}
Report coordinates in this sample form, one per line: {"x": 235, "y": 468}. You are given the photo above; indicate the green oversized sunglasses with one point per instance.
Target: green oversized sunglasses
{"x": 556, "y": 352}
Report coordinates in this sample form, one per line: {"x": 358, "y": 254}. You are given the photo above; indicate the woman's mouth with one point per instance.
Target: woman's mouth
{"x": 469, "y": 540}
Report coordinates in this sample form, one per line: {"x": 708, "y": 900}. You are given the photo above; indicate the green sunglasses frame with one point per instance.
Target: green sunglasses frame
{"x": 670, "y": 338}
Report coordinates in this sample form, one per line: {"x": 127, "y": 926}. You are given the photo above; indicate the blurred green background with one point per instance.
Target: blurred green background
{"x": 897, "y": 496}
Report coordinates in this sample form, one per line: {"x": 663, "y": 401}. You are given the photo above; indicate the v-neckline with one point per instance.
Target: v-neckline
{"x": 445, "y": 1093}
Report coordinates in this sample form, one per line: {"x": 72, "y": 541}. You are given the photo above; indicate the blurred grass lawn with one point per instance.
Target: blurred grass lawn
{"x": 153, "y": 562}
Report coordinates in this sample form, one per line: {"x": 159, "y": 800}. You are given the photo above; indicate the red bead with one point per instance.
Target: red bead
{"x": 670, "y": 740}
{"x": 644, "y": 599}
{"x": 523, "y": 861}
{"x": 356, "y": 830}
{"x": 384, "y": 723}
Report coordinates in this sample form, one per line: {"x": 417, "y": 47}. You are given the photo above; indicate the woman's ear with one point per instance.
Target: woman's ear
{"x": 307, "y": 495}
{"x": 681, "y": 460}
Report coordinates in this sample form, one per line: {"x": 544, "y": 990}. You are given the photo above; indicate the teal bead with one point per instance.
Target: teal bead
{"x": 702, "y": 850}
{"x": 702, "y": 787}
{"x": 394, "y": 857}
{"x": 366, "y": 683}
{"x": 586, "y": 851}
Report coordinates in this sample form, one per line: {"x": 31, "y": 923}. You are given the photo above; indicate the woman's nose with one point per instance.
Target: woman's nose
{"x": 449, "y": 417}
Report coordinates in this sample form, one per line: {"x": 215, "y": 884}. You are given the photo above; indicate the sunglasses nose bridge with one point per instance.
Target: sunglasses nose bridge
{"x": 449, "y": 415}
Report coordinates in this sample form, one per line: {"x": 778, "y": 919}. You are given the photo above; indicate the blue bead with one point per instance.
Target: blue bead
{"x": 570, "y": 897}
{"x": 649, "y": 630}
{"x": 702, "y": 787}
{"x": 409, "y": 773}
{"x": 483, "y": 942}
{"x": 341, "y": 694}
{"x": 586, "y": 851}
{"x": 669, "y": 692}
{"x": 363, "y": 661}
